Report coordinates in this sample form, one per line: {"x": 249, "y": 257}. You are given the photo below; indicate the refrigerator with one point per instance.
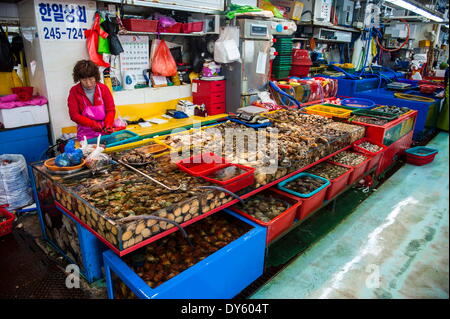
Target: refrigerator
{"x": 244, "y": 79}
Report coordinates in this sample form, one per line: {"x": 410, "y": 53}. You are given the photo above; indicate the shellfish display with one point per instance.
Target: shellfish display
{"x": 328, "y": 170}
{"x": 157, "y": 263}
{"x": 370, "y": 147}
{"x": 349, "y": 158}
{"x": 305, "y": 184}
{"x": 121, "y": 205}
{"x": 265, "y": 208}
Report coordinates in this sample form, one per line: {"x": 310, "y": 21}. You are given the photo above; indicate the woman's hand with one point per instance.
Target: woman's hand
{"x": 108, "y": 130}
{"x": 97, "y": 127}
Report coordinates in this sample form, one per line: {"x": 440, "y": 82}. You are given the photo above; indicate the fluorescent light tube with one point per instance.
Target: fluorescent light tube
{"x": 411, "y": 7}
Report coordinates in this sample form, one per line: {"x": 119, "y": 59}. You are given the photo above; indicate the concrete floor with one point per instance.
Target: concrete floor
{"x": 394, "y": 245}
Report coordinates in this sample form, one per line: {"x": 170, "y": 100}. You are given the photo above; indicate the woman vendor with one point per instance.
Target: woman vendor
{"x": 90, "y": 102}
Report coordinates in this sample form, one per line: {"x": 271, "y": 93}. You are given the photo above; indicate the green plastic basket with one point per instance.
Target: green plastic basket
{"x": 280, "y": 74}
{"x": 376, "y": 114}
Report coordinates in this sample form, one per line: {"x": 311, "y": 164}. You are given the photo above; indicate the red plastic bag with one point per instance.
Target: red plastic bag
{"x": 92, "y": 41}
{"x": 163, "y": 62}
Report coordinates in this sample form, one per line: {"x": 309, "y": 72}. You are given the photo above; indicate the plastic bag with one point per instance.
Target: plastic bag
{"x": 15, "y": 187}
{"x": 164, "y": 21}
{"x": 97, "y": 159}
{"x": 163, "y": 62}
{"x": 92, "y": 36}
{"x": 70, "y": 157}
{"x": 267, "y": 5}
{"x": 226, "y": 49}
{"x": 87, "y": 148}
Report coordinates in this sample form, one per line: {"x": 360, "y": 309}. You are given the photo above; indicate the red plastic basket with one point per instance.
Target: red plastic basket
{"x": 176, "y": 28}
{"x": 419, "y": 160}
{"x": 7, "y": 226}
{"x": 376, "y": 157}
{"x": 236, "y": 183}
{"x": 299, "y": 70}
{"x": 280, "y": 223}
{"x": 312, "y": 203}
{"x": 428, "y": 89}
{"x": 338, "y": 184}
{"x": 192, "y": 27}
{"x": 358, "y": 171}
{"x": 202, "y": 164}
{"x": 25, "y": 93}
{"x": 140, "y": 25}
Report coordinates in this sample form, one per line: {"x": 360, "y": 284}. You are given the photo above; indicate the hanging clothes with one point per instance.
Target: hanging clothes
{"x": 92, "y": 36}
{"x": 6, "y": 56}
{"x": 112, "y": 28}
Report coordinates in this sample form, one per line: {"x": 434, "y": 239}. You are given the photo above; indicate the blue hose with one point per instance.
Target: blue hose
{"x": 278, "y": 90}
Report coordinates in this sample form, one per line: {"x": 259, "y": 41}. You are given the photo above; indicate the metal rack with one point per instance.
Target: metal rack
{"x": 157, "y": 5}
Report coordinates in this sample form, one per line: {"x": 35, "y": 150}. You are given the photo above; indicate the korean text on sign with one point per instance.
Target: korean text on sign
{"x": 69, "y": 13}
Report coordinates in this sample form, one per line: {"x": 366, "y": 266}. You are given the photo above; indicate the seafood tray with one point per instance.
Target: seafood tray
{"x": 310, "y": 188}
{"x": 368, "y": 120}
{"x": 272, "y": 208}
{"x": 102, "y": 202}
{"x": 116, "y": 138}
{"x": 392, "y": 109}
{"x": 227, "y": 255}
{"x": 357, "y": 161}
{"x": 232, "y": 177}
{"x": 371, "y": 148}
{"x": 203, "y": 163}
{"x": 376, "y": 114}
{"x": 186, "y": 140}
{"x": 337, "y": 175}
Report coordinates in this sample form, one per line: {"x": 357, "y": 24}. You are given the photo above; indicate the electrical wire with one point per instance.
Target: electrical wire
{"x": 401, "y": 46}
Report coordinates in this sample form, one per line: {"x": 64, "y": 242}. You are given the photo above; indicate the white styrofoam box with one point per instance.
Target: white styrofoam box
{"x": 24, "y": 115}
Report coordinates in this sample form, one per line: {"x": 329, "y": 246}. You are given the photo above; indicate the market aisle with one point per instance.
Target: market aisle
{"x": 394, "y": 245}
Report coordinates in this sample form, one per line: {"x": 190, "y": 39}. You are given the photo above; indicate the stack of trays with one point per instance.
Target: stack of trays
{"x": 283, "y": 62}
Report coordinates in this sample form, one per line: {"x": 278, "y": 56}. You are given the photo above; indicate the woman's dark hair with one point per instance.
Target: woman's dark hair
{"x": 85, "y": 69}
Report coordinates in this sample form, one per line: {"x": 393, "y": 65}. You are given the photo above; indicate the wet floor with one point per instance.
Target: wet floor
{"x": 394, "y": 245}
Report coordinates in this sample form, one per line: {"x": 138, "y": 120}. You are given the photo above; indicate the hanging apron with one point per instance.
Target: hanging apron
{"x": 93, "y": 112}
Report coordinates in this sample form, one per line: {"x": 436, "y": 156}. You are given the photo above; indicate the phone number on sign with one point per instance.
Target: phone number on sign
{"x": 58, "y": 33}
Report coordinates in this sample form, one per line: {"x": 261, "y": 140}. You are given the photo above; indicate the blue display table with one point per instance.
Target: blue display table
{"x": 30, "y": 141}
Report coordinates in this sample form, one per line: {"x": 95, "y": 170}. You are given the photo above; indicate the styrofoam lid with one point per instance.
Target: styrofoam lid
{"x": 251, "y": 109}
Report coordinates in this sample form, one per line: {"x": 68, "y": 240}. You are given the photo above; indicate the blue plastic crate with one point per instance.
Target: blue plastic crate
{"x": 223, "y": 274}
{"x": 422, "y": 151}
{"x": 30, "y": 141}
{"x": 116, "y": 138}
{"x": 283, "y": 183}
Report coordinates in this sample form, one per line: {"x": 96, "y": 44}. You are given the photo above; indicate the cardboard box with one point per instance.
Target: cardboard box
{"x": 292, "y": 9}
{"x": 424, "y": 43}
